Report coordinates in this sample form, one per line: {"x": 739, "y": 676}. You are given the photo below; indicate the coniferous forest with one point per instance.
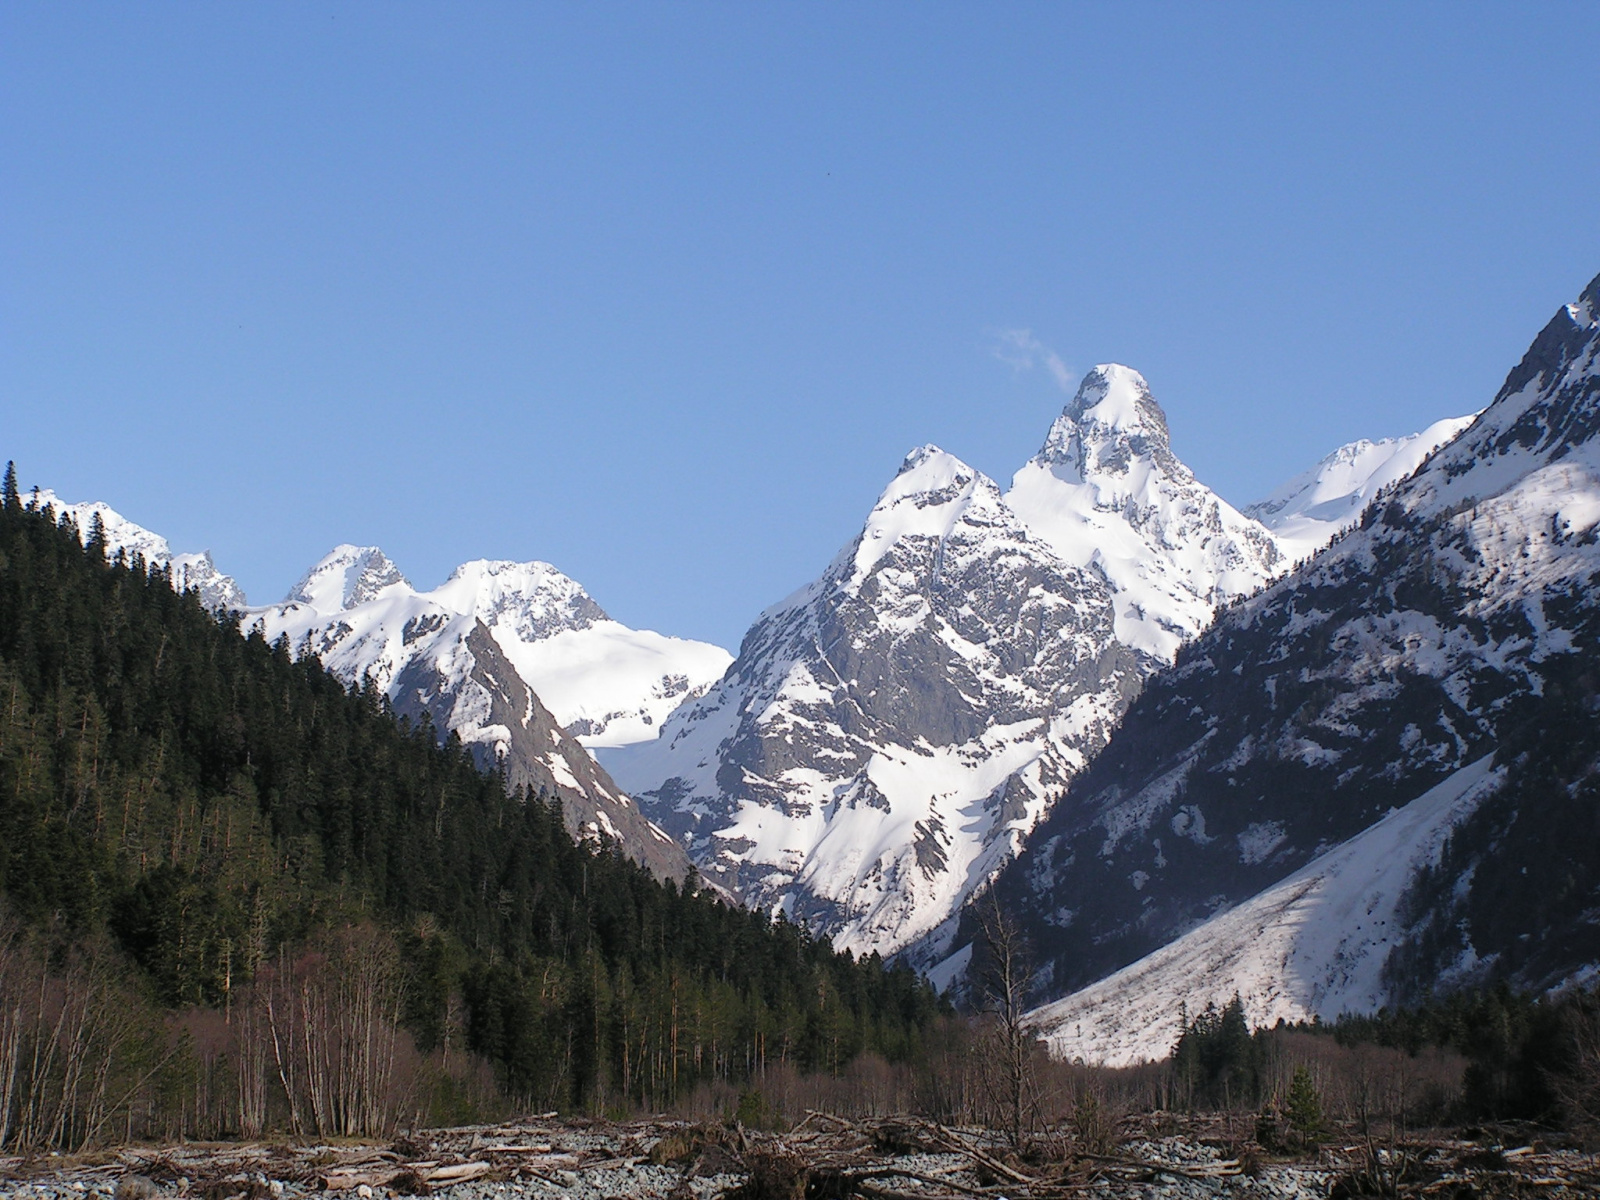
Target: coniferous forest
{"x": 194, "y": 822}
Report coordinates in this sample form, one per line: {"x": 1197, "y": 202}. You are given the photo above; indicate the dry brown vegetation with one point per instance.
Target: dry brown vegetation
{"x": 314, "y": 1047}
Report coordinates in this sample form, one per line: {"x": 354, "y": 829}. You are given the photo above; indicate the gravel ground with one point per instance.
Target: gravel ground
{"x": 676, "y": 1161}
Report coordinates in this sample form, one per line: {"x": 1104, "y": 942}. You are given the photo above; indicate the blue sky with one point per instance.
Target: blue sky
{"x": 662, "y": 294}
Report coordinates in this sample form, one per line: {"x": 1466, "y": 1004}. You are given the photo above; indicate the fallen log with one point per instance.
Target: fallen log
{"x": 997, "y": 1167}
{"x": 344, "y": 1181}
{"x": 856, "y": 1178}
{"x": 459, "y": 1173}
{"x": 516, "y": 1149}
{"x": 1217, "y": 1170}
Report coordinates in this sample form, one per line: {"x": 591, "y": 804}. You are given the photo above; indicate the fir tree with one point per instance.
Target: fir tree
{"x": 1304, "y": 1109}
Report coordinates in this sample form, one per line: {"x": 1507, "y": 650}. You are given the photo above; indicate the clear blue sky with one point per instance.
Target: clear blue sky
{"x": 662, "y": 294}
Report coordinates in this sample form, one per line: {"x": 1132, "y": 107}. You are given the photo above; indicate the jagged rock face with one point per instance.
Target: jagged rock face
{"x": 606, "y": 684}
{"x": 1460, "y": 620}
{"x": 1106, "y": 490}
{"x": 888, "y": 734}
{"x": 466, "y": 685}
{"x": 349, "y": 576}
{"x": 218, "y": 592}
{"x": 487, "y": 656}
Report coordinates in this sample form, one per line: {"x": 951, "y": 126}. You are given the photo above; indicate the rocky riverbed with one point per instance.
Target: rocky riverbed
{"x": 823, "y": 1158}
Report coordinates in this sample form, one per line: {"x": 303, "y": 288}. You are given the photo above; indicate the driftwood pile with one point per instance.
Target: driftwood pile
{"x": 822, "y": 1158}
{"x": 1460, "y": 1170}
{"x": 829, "y": 1158}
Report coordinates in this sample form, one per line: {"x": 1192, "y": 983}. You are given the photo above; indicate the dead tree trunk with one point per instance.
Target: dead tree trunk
{"x": 1004, "y": 979}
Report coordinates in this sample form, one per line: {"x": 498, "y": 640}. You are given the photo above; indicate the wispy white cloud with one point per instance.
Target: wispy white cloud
{"x": 1021, "y": 351}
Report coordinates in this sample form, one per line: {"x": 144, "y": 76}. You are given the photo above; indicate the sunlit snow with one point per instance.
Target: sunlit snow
{"x": 1312, "y": 945}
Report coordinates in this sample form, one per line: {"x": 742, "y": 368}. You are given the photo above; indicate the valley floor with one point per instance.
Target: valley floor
{"x": 1159, "y": 1155}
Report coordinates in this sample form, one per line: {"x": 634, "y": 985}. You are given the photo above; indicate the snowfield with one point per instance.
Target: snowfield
{"x": 1306, "y": 513}
{"x": 1310, "y": 946}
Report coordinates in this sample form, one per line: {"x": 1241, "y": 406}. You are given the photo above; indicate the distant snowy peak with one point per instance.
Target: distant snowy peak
{"x": 1310, "y": 509}
{"x": 533, "y": 599}
{"x": 346, "y": 577}
{"x": 218, "y": 592}
{"x": 516, "y": 660}
{"x": 1107, "y": 491}
{"x": 929, "y": 497}
{"x": 608, "y": 684}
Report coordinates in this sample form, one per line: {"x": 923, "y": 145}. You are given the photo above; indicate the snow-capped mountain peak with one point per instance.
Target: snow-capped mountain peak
{"x": 1374, "y": 780}
{"x": 1112, "y": 424}
{"x": 218, "y": 592}
{"x": 533, "y": 599}
{"x": 606, "y": 683}
{"x": 513, "y": 657}
{"x": 927, "y": 498}
{"x": 1107, "y": 491}
{"x": 890, "y": 732}
{"x": 928, "y": 467}
{"x": 1544, "y": 416}
{"x": 345, "y": 577}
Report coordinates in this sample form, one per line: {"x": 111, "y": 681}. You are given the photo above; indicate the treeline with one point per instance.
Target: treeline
{"x": 1490, "y": 1054}
{"x": 224, "y": 816}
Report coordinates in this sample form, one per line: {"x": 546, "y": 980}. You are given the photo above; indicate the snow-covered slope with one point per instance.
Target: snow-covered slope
{"x": 1460, "y": 619}
{"x": 889, "y": 733}
{"x": 1107, "y": 491}
{"x": 1306, "y": 513}
{"x": 1311, "y": 946}
{"x": 480, "y": 654}
{"x": 218, "y": 592}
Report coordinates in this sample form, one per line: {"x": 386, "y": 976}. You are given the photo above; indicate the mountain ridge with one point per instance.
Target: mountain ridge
{"x": 445, "y": 665}
{"x": 1453, "y": 623}
{"x": 934, "y": 632}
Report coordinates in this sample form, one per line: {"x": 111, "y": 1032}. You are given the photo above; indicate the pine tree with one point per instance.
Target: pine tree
{"x": 9, "y": 496}
{"x": 1304, "y": 1109}
{"x": 97, "y": 537}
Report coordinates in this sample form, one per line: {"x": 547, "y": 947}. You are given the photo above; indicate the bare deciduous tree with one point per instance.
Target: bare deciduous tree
{"x": 1004, "y": 979}
{"x": 331, "y": 1021}
{"x": 1578, "y": 1090}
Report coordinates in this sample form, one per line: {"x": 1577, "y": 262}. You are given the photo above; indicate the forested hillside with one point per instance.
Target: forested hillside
{"x": 216, "y": 809}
